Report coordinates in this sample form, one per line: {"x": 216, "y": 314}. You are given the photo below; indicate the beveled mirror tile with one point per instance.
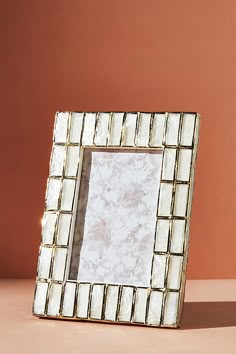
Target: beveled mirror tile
{"x": 40, "y": 298}
{"x": 97, "y": 301}
{"x": 59, "y": 264}
{"x": 162, "y": 234}
{"x": 83, "y": 300}
{"x": 155, "y": 307}
{"x": 89, "y": 129}
{"x": 126, "y": 304}
{"x": 76, "y": 127}
{"x": 63, "y": 229}
{"x": 142, "y": 138}
{"x": 171, "y": 307}
{"x": 69, "y": 300}
{"x": 169, "y": 164}
{"x": 172, "y": 130}
{"x": 68, "y": 191}
{"x": 54, "y": 299}
{"x": 57, "y": 160}
{"x": 48, "y": 227}
{"x": 116, "y": 129}
{"x": 184, "y": 165}
{"x": 102, "y": 129}
{"x": 140, "y": 305}
{"x": 158, "y": 271}
{"x": 165, "y": 199}
{"x": 174, "y": 272}
{"x": 158, "y": 129}
{"x": 129, "y": 129}
{"x": 44, "y": 262}
{"x": 177, "y": 237}
{"x": 188, "y": 129}
{"x": 53, "y": 193}
{"x": 181, "y": 199}
{"x": 61, "y": 126}
{"x": 111, "y": 302}
{"x": 72, "y": 161}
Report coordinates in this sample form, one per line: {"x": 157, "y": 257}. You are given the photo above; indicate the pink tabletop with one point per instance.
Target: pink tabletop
{"x": 208, "y": 326}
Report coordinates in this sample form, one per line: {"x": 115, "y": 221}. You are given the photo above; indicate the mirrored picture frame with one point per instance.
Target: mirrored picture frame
{"x": 136, "y": 272}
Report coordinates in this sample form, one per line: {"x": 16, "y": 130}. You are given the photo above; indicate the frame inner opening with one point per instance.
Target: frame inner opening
{"x": 116, "y": 216}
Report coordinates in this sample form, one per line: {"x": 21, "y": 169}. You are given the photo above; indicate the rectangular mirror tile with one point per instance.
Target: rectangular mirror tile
{"x": 72, "y": 161}
{"x": 83, "y": 300}
{"x": 165, "y": 199}
{"x": 162, "y": 234}
{"x": 158, "y": 129}
{"x": 169, "y": 160}
{"x": 40, "y": 298}
{"x": 63, "y": 230}
{"x": 97, "y": 301}
{"x": 181, "y": 198}
{"x": 188, "y": 129}
{"x": 184, "y": 165}
{"x": 89, "y": 129}
{"x": 116, "y": 129}
{"x": 69, "y": 300}
{"x": 59, "y": 264}
{"x": 111, "y": 302}
{"x": 57, "y": 160}
{"x": 102, "y": 129}
{"x": 129, "y": 129}
{"x": 158, "y": 271}
{"x": 44, "y": 262}
{"x": 61, "y": 127}
{"x": 155, "y": 307}
{"x": 171, "y": 307}
{"x": 68, "y": 191}
{"x": 174, "y": 272}
{"x": 53, "y": 193}
{"x": 140, "y": 305}
{"x": 172, "y": 130}
{"x": 54, "y": 299}
{"x": 142, "y": 138}
{"x": 177, "y": 237}
{"x": 126, "y": 304}
{"x": 48, "y": 227}
{"x": 76, "y": 127}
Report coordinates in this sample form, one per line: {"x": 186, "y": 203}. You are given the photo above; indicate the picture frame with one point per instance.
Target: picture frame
{"x": 169, "y": 139}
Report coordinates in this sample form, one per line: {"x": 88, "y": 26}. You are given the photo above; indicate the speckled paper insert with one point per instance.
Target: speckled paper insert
{"x": 116, "y": 217}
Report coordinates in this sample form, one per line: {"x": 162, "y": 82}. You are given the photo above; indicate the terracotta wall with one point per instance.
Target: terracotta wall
{"x": 117, "y": 55}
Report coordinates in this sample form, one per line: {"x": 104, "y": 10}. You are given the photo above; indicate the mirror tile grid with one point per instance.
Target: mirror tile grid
{"x": 158, "y": 302}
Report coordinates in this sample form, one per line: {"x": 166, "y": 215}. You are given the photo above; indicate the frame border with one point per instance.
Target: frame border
{"x": 175, "y": 134}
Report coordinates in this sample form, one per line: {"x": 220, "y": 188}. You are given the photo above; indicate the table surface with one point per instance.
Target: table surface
{"x": 208, "y": 326}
